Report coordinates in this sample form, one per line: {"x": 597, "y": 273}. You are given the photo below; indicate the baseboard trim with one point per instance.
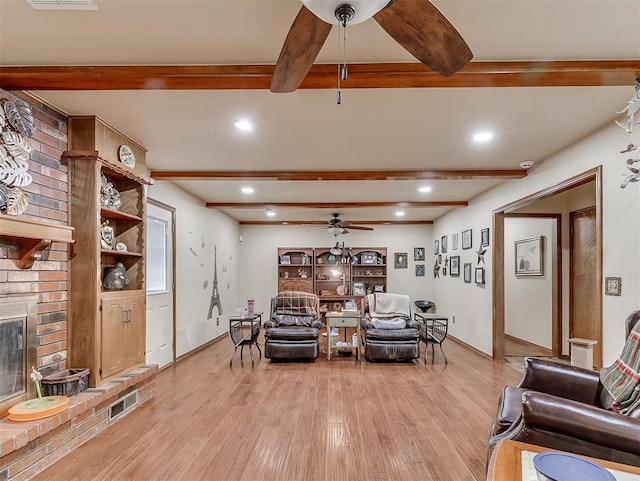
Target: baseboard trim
{"x": 202, "y": 347}
{"x": 522, "y": 342}
{"x": 470, "y": 347}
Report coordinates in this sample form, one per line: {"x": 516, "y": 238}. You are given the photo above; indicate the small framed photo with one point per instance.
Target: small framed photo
{"x": 378, "y": 288}
{"x": 467, "y": 272}
{"x": 467, "y": 241}
{"x": 443, "y": 244}
{"x": 436, "y": 246}
{"x": 285, "y": 259}
{"x": 484, "y": 237}
{"x": 613, "y": 286}
{"x": 418, "y": 253}
{"x": 479, "y": 275}
{"x": 368, "y": 258}
{"x": 439, "y": 258}
{"x": 419, "y": 270}
{"x": 454, "y": 241}
{"x": 454, "y": 266}
{"x": 529, "y": 254}
{"x": 358, "y": 288}
{"x": 400, "y": 260}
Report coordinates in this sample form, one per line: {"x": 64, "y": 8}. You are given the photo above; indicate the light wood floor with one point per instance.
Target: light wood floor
{"x": 337, "y": 420}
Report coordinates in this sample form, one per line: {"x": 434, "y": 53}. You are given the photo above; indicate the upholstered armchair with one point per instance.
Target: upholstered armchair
{"x": 291, "y": 332}
{"x": 390, "y": 333}
{"x": 566, "y": 408}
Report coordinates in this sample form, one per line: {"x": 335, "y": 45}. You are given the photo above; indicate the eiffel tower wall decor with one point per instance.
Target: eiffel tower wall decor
{"x": 215, "y": 295}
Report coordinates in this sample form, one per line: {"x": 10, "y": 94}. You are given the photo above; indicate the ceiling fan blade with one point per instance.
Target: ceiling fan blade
{"x": 301, "y": 47}
{"x": 426, "y": 33}
{"x": 359, "y": 227}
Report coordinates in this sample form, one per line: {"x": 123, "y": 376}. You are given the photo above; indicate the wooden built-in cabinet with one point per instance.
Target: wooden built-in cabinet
{"x": 295, "y": 269}
{"x": 371, "y": 268}
{"x": 106, "y": 327}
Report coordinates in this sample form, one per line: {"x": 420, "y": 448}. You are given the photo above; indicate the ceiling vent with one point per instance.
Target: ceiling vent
{"x": 63, "y": 4}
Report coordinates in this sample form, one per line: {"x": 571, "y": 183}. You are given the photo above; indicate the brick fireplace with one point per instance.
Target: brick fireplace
{"x": 27, "y": 448}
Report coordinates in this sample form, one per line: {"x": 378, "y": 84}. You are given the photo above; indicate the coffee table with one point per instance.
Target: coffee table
{"x": 511, "y": 459}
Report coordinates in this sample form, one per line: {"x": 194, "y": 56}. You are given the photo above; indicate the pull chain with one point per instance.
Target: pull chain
{"x": 342, "y": 58}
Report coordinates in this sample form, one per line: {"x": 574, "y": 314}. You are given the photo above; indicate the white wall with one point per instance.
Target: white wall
{"x": 198, "y": 230}
{"x": 621, "y": 225}
{"x": 528, "y": 299}
{"x": 259, "y": 259}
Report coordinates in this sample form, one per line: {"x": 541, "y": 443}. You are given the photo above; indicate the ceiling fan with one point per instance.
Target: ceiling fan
{"x": 417, "y": 25}
{"x": 337, "y": 226}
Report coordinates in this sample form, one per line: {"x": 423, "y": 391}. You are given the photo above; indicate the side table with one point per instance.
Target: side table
{"x": 244, "y": 331}
{"x": 433, "y": 330}
{"x": 342, "y": 320}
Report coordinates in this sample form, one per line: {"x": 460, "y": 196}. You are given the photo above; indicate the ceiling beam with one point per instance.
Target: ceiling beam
{"x": 328, "y": 175}
{"x": 321, "y": 76}
{"x": 325, "y": 223}
{"x": 333, "y": 205}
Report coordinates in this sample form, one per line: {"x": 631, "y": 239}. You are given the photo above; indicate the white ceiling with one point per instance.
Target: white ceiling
{"x": 423, "y": 128}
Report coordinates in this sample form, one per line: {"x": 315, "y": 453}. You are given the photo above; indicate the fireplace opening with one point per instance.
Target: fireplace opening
{"x": 18, "y": 343}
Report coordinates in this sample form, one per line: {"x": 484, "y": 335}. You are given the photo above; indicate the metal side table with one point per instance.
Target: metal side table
{"x": 244, "y": 331}
{"x": 433, "y": 330}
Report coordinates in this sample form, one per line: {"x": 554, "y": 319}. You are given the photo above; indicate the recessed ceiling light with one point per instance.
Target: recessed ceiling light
{"x": 271, "y": 213}
{"x": 243, "y": 125}
{"x": 424, "y": 188}
{"x": 483, "y": 136}
{"x": 247, "y": 190}
{"x": 400, "y": 213}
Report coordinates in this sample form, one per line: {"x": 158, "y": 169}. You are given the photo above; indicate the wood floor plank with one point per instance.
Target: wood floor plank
{"x": 314, "y": 421}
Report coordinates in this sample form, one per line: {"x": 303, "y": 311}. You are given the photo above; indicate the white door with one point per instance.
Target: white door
{"x": 160, "y": 285}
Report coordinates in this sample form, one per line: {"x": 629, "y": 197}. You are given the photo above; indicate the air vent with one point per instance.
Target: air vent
{"x": 63, "y": 4}
{"x": 123, "y": 406}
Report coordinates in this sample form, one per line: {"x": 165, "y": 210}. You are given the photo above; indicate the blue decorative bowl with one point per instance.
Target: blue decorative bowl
{"x": 552, "y": 466}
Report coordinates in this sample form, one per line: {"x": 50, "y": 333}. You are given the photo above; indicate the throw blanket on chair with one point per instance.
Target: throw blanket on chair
{"x": 622, "y": 378}
{"x": 389, "y": 305}
{"x": 296, "y": 303}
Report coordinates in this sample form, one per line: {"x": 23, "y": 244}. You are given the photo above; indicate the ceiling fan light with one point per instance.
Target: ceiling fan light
{"x": 336, "y": 250}
{"x": 326, "y": 9}
{"x": 335, "y": 230}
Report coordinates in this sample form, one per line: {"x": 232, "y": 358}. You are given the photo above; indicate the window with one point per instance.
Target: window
{"x": 157, "y": 230}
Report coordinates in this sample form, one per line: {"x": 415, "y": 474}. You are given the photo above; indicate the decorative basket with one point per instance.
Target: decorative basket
{"x": 66, "y": 383}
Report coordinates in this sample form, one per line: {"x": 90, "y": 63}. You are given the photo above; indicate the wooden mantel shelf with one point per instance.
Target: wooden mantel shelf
{"x": 33, "y": 236}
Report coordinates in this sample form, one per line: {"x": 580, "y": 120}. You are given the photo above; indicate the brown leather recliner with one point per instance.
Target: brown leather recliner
{"x": 389, "y": 344}
{"x": 566, "y": 408}
{"x": 292, "y": 330}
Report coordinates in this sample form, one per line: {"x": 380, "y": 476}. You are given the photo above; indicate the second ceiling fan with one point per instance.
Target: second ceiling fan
{"x": 417, "y": 25}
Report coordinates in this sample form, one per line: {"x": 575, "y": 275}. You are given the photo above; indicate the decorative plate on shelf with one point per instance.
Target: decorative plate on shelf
{"x": 125, "y": 155}
{"x": 341, "y": 290}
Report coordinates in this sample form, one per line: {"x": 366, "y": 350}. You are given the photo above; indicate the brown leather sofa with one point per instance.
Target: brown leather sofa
{"x": 566, "y": 408}
{"x": 389, "y": 344}
{"x": 292, "y": 334}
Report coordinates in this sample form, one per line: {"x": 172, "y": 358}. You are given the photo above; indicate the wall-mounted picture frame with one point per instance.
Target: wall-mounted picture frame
{"x": 467, "y": 240}
{"x": 467, "y": 272}
{"x": 484, "y": 237}
{"x": 357, "y": 288}
{"x": 439, "y": 259}
{"x": 613, "y": 286}
{"x": 454, "y": 266}
{"x": 529, "y": 256}
{"x": 285, "y": 259}
{"x": 400, "y": 260}
{"x": 436, "y": 246}
{"x": 480, "y": 275}
{"x": 454, "y": 241}
{"x": 443, "y": 244}
{"x": 418, "y": 253}
{"x": 368, "y": 258}
{"x": 419, "y": 270}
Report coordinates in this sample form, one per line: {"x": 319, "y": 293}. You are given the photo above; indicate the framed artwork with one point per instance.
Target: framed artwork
{"x": 467, "y": 272}
{"x": 418, "y": 253}
{"x": 479, "y": 275}
{"x": 443, "y": 244}
{"x": 484, "y": 237}
{"x": 369, "y": 258}
{"x": 419, "y": 270}
{"x": 285, "y": 259}
{"x": 436, "y": 246}
{"x": 454, "y": 241}
{"x": 529, "y": 254}
{"x": 466, "y": 239}
{"x": 454, "y": 266}
{"x": 400, "y": 260}
{"x": 439, "y": 259}
{"x": 357, "y": 288}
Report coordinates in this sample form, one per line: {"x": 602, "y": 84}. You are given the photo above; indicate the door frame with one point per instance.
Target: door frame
{"x": 172, "y": 210}
{"x": 498, "y": 265}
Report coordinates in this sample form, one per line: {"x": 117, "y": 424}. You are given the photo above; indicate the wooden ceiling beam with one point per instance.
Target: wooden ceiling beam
{"x": 337, "y": 175}
{"x": 324, "y": 222}
{"x": 583, "y": 73}
{"x": 332, "y": 205}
